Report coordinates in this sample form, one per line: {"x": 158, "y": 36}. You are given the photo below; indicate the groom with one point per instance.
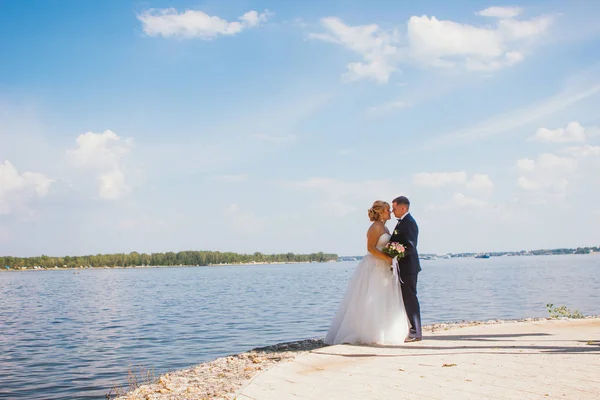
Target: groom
{"x": 406, "y": 233}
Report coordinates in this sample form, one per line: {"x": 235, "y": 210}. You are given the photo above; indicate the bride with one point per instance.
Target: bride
{"x": 372, "y": 310}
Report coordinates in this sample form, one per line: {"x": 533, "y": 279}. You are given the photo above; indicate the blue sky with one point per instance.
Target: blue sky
{"x": 272, "y": 126}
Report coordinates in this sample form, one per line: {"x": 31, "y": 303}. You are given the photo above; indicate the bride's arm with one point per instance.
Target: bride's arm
{"x": 373, "y": 235}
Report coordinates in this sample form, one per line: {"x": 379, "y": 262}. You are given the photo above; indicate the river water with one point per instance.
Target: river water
{"x": 74, "y": 334}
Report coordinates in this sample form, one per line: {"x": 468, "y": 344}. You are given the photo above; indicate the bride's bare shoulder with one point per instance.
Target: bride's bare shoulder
{"x": 376, "y": 228}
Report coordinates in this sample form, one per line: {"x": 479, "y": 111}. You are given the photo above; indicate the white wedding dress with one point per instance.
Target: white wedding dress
{"x": 372, "y": 310}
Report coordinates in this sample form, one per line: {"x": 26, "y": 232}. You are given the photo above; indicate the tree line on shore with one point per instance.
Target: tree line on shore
{"x": 200, "y": 258}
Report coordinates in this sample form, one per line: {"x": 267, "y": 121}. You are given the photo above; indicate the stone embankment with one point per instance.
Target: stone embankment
{"x": 529, "y": 358}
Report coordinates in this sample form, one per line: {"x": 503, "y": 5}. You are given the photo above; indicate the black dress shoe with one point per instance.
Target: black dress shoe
{"x": 412, "y": 339}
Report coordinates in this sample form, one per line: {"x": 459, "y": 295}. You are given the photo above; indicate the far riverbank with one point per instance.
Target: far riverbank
{"x": 161, "y": 266}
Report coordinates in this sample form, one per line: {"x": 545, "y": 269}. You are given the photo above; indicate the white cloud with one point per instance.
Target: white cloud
{"x": 508, "y": 59}
{"x": 387, "y": 107}
{"x": 526, "y": 164}
{"x": 432, "y": 40}
{"x": 112, "y": 185}
{"x": 548, "y": 162}
{"x": 574, "y": 132}
{"x": 551, "y": 161}
{"x": 103, "y": 153}
{"x": 549, "y": 174}
{"x": 196, "y": 24}
{"x": 446, "y": 43}
{"x": 99, "y": 150}
{"x": 377, "y": 48}
{"x": 253, "y": 18}
{"x": 439, "y": 179}
{"x": 17, "y": 189}
{"x": 480, "y": 183}
{"x": 512, "y": 29}
{"x": 462, "y": 201}
{"x": 500, "y": 12}
{"x": 435, "y": 43}
{"x": 582, "y": 151}
{"x": 528, "y": 184}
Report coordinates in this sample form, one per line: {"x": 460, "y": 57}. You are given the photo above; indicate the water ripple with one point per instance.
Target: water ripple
{"x": 74, "y": 336}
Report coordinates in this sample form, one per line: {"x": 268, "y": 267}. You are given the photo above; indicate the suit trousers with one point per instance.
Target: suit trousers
{"x": 411, "y": 303}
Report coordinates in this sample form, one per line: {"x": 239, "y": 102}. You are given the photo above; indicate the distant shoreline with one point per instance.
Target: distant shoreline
{"x": 202, "y": 258}
{"x": 163, "y": 266}
{"x": 181, "y": 258}
{"x": 343, "y": 259}
{"x": 429, "y": 257}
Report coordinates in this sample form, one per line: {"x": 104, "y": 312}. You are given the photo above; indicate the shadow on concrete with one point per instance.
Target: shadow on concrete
{"x": 486, "y": 337}
{"x": 508, "y": 344}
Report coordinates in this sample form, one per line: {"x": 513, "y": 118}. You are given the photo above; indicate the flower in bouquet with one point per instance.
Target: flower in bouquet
{"x": 394, "y": 249}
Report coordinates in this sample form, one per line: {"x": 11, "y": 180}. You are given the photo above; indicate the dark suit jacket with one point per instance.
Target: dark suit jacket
{"x": 406, "y": 233}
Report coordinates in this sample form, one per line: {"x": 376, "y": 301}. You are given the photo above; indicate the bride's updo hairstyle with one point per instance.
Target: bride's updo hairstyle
{"x": 377, "y": 210}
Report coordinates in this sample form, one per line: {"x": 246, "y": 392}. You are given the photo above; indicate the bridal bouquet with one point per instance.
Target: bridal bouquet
{"x": 394, "y": 250}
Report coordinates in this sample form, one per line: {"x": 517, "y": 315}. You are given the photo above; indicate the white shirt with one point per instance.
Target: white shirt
{"x": 402, "y": 217}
